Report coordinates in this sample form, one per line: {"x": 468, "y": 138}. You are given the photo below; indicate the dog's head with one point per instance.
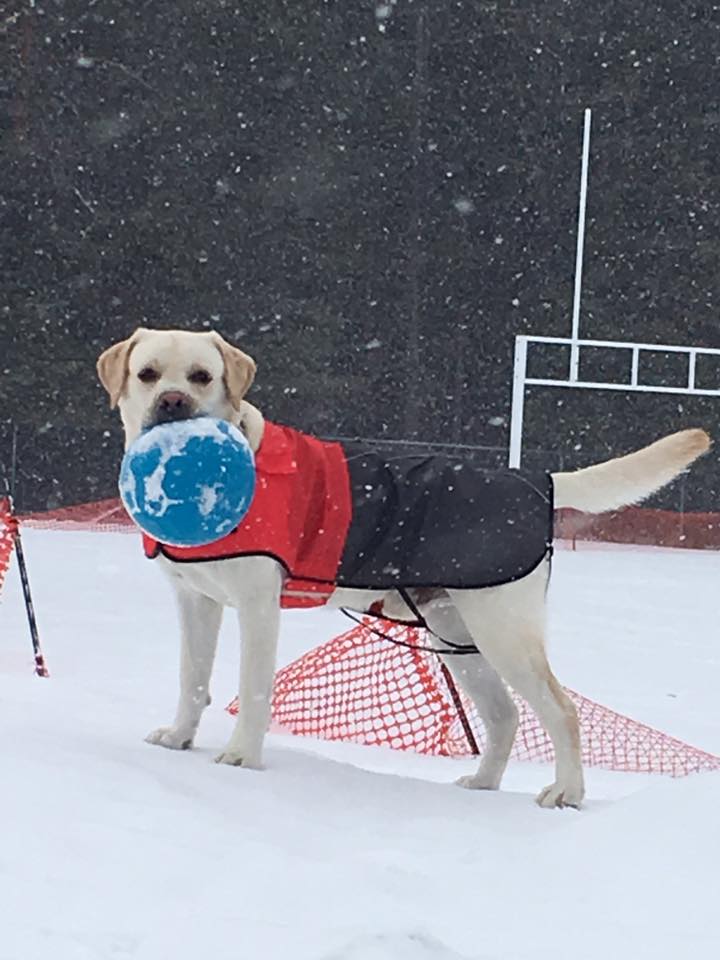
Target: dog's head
{"x": 159, "y": 375}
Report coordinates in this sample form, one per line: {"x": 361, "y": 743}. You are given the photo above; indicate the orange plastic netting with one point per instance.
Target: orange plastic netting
{"x": 361, "y": 688}
{"x": 8, "y": 526}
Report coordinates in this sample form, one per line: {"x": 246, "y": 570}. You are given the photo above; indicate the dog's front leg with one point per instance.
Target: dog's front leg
{"x": 258, "y": 603}
{"x": 200, "y": 619}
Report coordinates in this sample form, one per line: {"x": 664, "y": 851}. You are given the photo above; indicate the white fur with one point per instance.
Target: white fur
{"x": 506, "y": 623}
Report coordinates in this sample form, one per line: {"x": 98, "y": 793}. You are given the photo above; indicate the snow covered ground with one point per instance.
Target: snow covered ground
{"x": 115, "y": 849}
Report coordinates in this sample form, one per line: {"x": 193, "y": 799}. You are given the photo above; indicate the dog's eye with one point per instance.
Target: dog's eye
{"x": 148, "y": 375}
{"x": 200, "y": 376}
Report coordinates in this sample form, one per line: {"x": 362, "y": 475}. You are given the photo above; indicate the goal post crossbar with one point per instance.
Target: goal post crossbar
{"x": 574, "y": 380}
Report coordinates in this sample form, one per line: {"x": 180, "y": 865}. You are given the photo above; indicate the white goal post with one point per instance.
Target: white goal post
{"x": 573, "y": 380}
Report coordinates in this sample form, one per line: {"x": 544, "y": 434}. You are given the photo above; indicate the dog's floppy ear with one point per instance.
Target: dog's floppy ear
{"x": 112, "y": 367}
{"x": 239, "y": 370}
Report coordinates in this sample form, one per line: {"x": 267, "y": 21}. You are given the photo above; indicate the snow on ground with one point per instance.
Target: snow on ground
{"x": 114, "y": 849}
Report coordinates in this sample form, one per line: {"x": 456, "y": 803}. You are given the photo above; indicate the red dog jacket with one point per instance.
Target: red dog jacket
{"x": 351, "y": 516}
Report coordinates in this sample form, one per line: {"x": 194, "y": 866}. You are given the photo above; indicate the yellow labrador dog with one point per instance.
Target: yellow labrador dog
{"x": 158, "y": 375}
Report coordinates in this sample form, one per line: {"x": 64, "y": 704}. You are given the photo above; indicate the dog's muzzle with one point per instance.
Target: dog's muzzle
{"x": 171, "y": 406}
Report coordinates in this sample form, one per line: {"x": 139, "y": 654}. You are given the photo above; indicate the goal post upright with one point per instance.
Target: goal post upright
{"x": 517, "y": 410}
{"x": 580, "y": 247}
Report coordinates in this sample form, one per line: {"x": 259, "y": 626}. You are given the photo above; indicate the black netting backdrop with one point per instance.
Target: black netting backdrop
{"x": 371, "y": 198}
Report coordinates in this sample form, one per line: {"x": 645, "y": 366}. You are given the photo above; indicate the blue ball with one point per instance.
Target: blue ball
{"x": 190, "y": 482}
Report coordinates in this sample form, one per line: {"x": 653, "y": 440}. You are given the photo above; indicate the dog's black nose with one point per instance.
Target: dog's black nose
{"x": 173, "y": 405}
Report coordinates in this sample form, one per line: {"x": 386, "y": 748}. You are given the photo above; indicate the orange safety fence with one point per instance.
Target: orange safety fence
{"x": 8, "y": 527}
{"x": 361, "y": 688}
{"x": 642, "y": 526}
{"x": 634, "y": 525}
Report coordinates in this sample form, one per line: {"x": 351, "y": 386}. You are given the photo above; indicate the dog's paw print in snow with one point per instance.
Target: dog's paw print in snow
{"x": 396, "y": 946}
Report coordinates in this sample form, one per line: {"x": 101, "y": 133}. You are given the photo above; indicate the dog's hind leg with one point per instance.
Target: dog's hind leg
{"x": 200, "y": 619}
{"x": 485, "y": 688}
{"x": 507, "y": 624}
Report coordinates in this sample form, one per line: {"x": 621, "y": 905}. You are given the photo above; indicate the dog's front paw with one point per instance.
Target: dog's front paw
{"x": 238, "y": 758}
{"x": 170, "y": 737}
{"x": 561, "y": 795}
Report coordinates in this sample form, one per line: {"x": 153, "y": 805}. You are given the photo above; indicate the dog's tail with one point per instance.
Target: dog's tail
{"x": 630, "y": 479}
